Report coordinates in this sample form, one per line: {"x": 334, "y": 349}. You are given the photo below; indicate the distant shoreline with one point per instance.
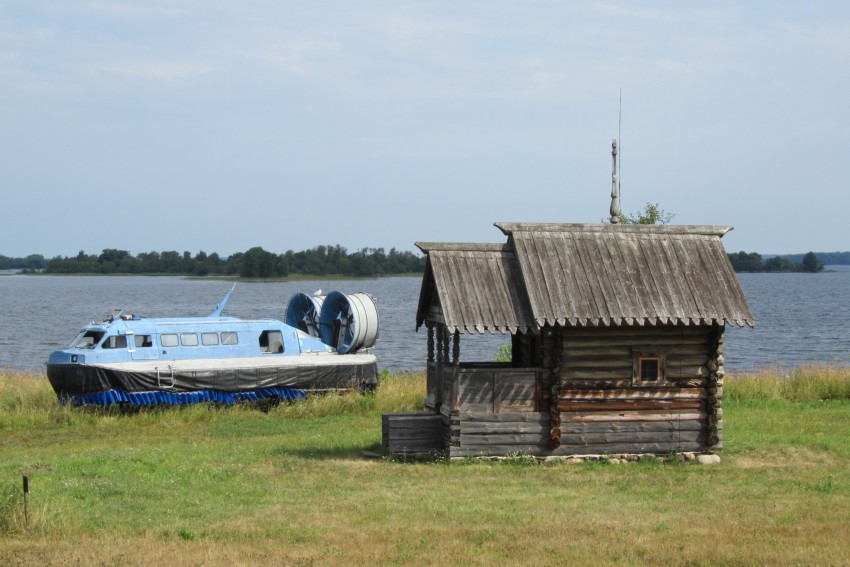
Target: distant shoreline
{"x": 290, "y": 278}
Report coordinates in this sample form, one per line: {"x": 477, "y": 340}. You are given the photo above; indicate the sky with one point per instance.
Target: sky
{"x": 217, "y": 126}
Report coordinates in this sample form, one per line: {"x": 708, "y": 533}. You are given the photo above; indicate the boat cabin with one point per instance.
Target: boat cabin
{"x": 129, "y": 338}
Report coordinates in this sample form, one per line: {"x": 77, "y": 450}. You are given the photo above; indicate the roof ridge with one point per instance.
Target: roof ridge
{"x": 667, "y": 229}
{"x": 427, "y": 247}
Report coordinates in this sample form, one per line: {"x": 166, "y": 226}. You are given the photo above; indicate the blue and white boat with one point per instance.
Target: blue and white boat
{"x": 132, "y": 360}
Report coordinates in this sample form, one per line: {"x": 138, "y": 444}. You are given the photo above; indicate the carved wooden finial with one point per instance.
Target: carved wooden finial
{"x": 615, "y": 187}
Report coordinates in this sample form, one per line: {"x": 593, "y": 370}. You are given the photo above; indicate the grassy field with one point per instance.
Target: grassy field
{"x": 239, "y": 486}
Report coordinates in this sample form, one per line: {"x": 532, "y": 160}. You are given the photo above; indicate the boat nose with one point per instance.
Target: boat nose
{"x": 65, "y": 357}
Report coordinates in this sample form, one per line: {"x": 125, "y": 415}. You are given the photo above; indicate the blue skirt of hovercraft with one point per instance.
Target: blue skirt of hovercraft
{"x": 161, "y": 397}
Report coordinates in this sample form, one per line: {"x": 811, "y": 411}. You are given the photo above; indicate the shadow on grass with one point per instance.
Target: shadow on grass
{"x": 350, "y": 453}
{"x": 374, "y": 451}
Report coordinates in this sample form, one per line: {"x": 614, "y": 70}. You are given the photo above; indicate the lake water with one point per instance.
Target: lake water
{"x": 800, "y": 318}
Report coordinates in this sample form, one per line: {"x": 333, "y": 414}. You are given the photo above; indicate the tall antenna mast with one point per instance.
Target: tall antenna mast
{"x": 615, "y": 172}
{"x": 620, "y": 146}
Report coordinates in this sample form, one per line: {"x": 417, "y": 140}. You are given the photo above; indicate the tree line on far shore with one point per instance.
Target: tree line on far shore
{"x": 253, "y": 263}
{"x": 322, "y": 261}
{"x": 753, "y": 262}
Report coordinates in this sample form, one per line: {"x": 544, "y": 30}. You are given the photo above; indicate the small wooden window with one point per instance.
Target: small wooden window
{"x": 649, "y": 368}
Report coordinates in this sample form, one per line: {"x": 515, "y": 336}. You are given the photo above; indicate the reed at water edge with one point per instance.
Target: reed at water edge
{"x": 801, "y": 384}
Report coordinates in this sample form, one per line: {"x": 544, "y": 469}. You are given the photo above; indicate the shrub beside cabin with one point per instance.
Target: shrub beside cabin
{"x": 616, "y": 334}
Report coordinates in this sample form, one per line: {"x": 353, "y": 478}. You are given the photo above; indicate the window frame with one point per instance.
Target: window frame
{"x": 209, "y": 339}
{"x": 266, "y": 346}
{"x": 114, "y": 342}
{"x": 93, "y": 334}
{"x": 225, "y": 337}
{"x": 642, "y": 354}
{"x": 189, "y": 339}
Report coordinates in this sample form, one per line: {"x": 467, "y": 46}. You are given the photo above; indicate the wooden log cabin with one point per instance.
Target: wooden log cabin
{"x": 616, "y": 334}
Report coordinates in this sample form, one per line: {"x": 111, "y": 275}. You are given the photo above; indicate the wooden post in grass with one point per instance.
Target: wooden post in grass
{"x": 26, "y": 503}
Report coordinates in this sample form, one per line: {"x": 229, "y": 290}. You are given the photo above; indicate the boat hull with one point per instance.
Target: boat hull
{"x": 224, "y": 381}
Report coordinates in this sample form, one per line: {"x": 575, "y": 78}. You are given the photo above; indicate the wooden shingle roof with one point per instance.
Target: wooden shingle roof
{"x": 473, "y": 288}
{"x": 583, "y": 274}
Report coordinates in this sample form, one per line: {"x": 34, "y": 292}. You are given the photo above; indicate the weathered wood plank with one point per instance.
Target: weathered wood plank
{"x": 604, "y": 374}
{"x": 413, "y": 432}
{"x": 635, "y": 394}
{"x": 703, "y": 333}
{"x": 407, "y": 434}
{"x": 602, "y": 351}
{"x": 503, "y": 439}
{"x": 574, "y": 428}
{"x": 498, "y": 427}
{"x": 410, "y": 416}
{"x": 643, "y": 437}
{"x": 517, "y": 394}
{"x": 672, "y": 382}
{"x": 477, "y": 407}
{"x": 508, "y": 417}
{"x": 679, "y": 372}
{"x": 628, "y": 416}
{"x": 695, "y": 354}
{"x": 610, "y": 363}
{"x": 629, "y": 405}
{"x": 402, "y": 424}
{"x": 603, "y": 341}
{"x": 529, "y": 405}
{"x": 688, "y": 382}
{"x": 475, "y": 391}
{"x": 697, "y": 358}
{"x": 596, "y": 384}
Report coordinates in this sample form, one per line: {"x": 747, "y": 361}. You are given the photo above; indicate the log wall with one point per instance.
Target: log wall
{"x": 603, "y": 410}
{"x": 583, "y": 399}
{"x": 507, "y": 433}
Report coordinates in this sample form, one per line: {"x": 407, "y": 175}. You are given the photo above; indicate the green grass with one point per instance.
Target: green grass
{"x": 803, "y": 384}
{"x": 239, "y": 486}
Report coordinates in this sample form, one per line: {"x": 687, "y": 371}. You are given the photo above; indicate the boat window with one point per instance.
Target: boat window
{"x": 229, "y": 338}
{"x": 168, "y": 340}
{"x": 115, "y": 341}
{"x": 89, "y": 339}
{"x": 271, "y": 341}
{"x": 142, "y": 341}
{"x": 209, "y": 339}
{"x": 189, "y": 339}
